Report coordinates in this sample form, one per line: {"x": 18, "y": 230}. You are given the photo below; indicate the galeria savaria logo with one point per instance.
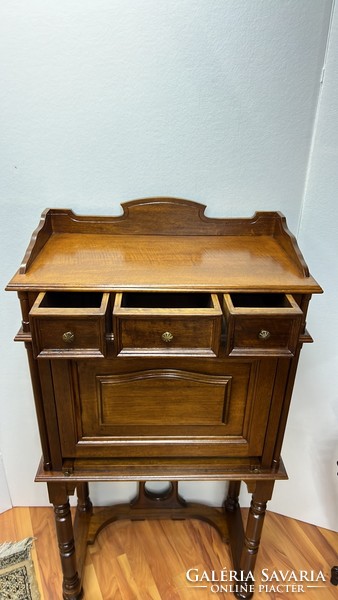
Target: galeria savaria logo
{"x": 278, "y": 581}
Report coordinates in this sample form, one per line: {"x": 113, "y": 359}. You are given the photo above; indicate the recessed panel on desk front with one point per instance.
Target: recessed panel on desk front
{"x": 199, "y": 408}
{"x": 169, "y": 397}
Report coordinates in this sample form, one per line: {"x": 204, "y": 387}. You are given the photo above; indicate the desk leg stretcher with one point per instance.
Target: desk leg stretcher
{"x": 88, "y": 522}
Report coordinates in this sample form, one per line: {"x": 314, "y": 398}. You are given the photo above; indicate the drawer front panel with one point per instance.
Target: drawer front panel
{"x": 169, "y": 335}
{"x": 265, "y": 335}
{"x": 86, "y": 337}
{"x": 262, "y": 324}
{"x": 70, "y": 325}
{"x": 167, "y": 324}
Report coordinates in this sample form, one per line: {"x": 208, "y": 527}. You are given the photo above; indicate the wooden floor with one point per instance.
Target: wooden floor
{"x": 148, "y": 560}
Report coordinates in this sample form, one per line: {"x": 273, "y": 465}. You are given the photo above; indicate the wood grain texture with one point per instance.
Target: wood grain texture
{"x": 148, "y": 560}
{"x": 253, "y": 246}
{"x": 162, "y": 384}
{"x": 106, "y": 262}
{"x": 139, "y": 216}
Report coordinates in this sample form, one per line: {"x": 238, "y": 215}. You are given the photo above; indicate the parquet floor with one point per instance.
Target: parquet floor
{"x": 148, "y": 560}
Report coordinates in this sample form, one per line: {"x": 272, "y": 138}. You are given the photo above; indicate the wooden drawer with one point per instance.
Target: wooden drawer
{"x": 69, "y": 324}
{"x": 167, "y": 323}
{"x": 262, "y": 324}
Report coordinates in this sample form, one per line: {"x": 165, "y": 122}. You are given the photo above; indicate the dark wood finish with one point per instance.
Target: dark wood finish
{"x": 334, "y": 576}
{"x": 64, "y": 529}
{"x": 262, "y": 324}
{"x": 245, "y": 544}
{"x": 144, "y": 327}
{"x": 163, "y": 345}
{"x": 70, "y": 325}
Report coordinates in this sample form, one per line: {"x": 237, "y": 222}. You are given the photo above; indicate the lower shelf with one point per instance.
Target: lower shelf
{"x": 161, "y": 469}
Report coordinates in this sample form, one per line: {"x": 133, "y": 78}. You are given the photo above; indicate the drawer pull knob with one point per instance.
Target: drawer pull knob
{"x": 68, "y": 337}
{"x": 264, "y": 334}
{"x": 167, "y": 337}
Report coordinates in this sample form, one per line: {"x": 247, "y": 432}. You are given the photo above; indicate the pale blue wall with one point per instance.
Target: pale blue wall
{"x": 311, "y": 444}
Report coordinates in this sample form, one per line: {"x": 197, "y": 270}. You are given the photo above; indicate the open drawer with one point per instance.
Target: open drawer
{"x": 262, "y": 324}
{"x": 69, "y": 324}
{"x": 152, "y": 323}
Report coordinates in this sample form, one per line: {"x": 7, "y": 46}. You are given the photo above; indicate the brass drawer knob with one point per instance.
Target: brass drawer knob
{"x": 68, "y": 337}
{"x": 167, "y": 337}
{"x": 264, "y": 334}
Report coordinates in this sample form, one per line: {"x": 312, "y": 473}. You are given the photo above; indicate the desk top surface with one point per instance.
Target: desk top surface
{"x": 134, "y": 252}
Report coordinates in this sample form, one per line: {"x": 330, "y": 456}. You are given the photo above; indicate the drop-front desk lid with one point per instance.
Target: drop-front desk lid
{"x": 163, "y": 244}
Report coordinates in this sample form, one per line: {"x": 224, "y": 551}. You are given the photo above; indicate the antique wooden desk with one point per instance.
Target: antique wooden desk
{"x": 163, "y": 345}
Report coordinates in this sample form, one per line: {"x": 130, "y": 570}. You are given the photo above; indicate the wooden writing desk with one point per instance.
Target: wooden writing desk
{"x": 163, "y": 345}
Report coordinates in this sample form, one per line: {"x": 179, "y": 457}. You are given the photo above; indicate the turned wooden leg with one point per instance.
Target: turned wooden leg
{"x": 64, "y": 528}
{"x": 231, "y": 503}
{"x": 262, "y": 492}
{"x": 334, "y": 576}
{"x": 83, "y": 501}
